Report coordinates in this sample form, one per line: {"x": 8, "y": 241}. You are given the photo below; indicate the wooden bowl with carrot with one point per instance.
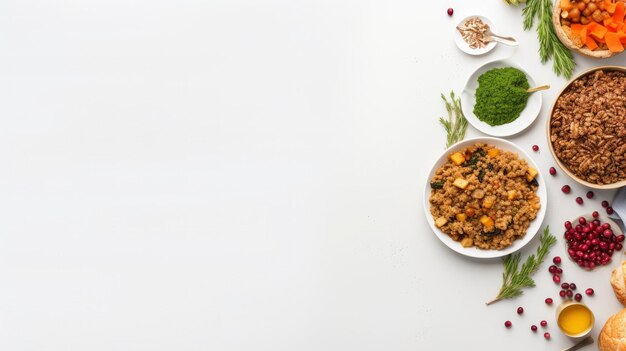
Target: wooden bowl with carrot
{"x": 594, "y": 28}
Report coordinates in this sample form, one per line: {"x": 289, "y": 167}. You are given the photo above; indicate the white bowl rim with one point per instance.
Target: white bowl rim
{"x": 474, "y": 252}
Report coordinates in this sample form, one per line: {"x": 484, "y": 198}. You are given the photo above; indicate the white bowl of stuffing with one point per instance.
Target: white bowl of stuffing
{"x": 485, "y": 198}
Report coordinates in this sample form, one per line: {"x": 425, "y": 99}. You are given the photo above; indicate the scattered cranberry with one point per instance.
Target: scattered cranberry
{"x": 450, "y": 11}
{"x": 579, "y": 200}
{"x": 556, "y": 278}
{"x": 589, "y": 292}
{"x": 533, "y": 328}
{"x": 565, "y": 286}
{"x": 569, "y": 293}
{"x": 578, "y": 297}
{"x": 549, "y": 300}
{"x": 559, "y": 270}
{"x": 582, "y": 220}
{"x": 552, "y": 269}
{"x": 605, "y": 204}
{"x": 589, "y": 194}
{"x": 609, "y": 210}
{"x": 520, "y": 310}
{"x": 508, "y": 324}
{"x": 535, "y": 148}
{"x": 562, "y": 293}
{"x": 595, "y": 214}
{"x": 556, "y": 260}
{"x": 572, "y": 286}
{"x": 566, "y": 189}
{"x": 546, "y": 335}
{"x": 543, "y": 323}
{"x": 552, "y": 171}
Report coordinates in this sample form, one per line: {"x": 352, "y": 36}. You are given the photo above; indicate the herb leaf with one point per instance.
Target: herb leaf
{"x": 513, "y": 281}
{"x": 456, "y": 124}
{"x": 550, "y": 47}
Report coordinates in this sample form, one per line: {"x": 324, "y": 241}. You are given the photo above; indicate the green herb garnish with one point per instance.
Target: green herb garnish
{"x": 456, "y": 124}
{"x": 501, "y": 95}
{"x": 514, "y": 280}
{"x": 437, "y": 185}
{"x": 549, "y": 44}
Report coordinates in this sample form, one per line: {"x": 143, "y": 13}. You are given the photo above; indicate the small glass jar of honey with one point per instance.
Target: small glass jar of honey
{"x": 575, "y": 319}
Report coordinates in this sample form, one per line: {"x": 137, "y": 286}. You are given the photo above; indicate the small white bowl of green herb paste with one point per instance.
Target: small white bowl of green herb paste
{"x": 496, "y": 101}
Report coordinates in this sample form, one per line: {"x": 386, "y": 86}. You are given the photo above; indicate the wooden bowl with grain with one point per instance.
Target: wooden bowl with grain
{"x": 564, "y": 37}
{"x": 585, "y": 142}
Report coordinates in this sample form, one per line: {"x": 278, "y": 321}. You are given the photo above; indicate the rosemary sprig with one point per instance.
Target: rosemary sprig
{"x": 513, "y": 281}
{"x": 456, "y": 124}
{"x": 550, "y": 47}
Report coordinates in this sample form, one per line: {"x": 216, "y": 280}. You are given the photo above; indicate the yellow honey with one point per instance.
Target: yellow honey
{"x": 575, "y": 319}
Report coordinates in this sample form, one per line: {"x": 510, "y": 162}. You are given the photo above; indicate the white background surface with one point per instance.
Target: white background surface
{"x": 246, "y": 175}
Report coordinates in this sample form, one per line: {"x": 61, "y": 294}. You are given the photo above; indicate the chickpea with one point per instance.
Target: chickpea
{"x": 605, "y": 15}
{"x": 573, "y": 13}
{"x": 576, "y": 20}
{"x": 597, "y": 16}
{"x": 581, "y": 6}
{"x": 592, "y": 7}
{"x": 601, "y": 6}
{"x": 586, "y": 1}
{"x": 587, "y": 12}
{"x": 584, "y": 20}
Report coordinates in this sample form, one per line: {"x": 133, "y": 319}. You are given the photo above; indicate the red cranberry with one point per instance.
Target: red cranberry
{"x": 565, "y": 286}
{"x": 556, "y": 260}
{"x": 579, "y": 200}
{"x": 552, "y": 269}
{"x": 543, "y": 323}
{"x": 552, "y": 171}
{"x": 578, "y": 297}
{"x": 508, "y": 324}
{"x": 546, "y": 335}
{"x": 582, "y": 221}
{"x": 620, "y": 238}
{"x": 562, "y": 293}
{"x": 566, "y": 189}
{"x": 535, "y": 148}
{"x": 450, "y": 11}
{"x": 589, "y": 292}
{"x": 595, "y": 214}
{"x": 556, "y": 278}
{"x": 549, "y": 300}
{"x": 572, "y": 286}
{"x": 589, "y": 194}
{"x": 609, "y": 210}
{"x": 533, "y": 328}
{"x": 605, "y": 204}
{"x": 568, "y": 225}
{"x": 520, "y": 310}
{"x": 569, "y": 293}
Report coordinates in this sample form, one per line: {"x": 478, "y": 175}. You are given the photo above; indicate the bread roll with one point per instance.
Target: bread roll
{"x": 618, "y": 281}
{"x": 613, "y": 334}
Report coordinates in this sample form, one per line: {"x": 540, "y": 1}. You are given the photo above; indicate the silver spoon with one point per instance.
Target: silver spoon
{"x": 490, "y": 36}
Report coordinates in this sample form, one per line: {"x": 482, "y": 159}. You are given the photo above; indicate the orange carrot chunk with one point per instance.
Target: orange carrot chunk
{"x": 591, "y": 44}
{"x": 609, "y": 6}
{"x": 618, "y": 15}
{"x": 613, "y": 43}
{"x": 576, "y": 27}
{"x": 599, "y": 31}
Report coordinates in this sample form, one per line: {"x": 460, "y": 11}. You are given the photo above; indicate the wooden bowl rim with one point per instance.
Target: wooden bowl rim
{"x": 616, "y": 185}
{"x": 564, "y": 38}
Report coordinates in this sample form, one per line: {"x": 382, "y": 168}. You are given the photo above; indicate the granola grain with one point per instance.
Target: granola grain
{"x": 588, "y": 127}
